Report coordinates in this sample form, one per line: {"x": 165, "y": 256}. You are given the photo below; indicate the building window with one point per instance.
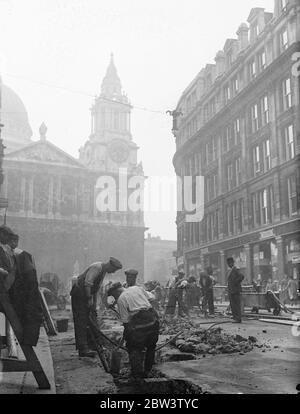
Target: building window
{"x": 227, "y": 139}
{"x": 237, "y": 131}
{"x": 212, "y": 107}
{"x": 284, "y": 40}
{"x": 214, "y": 149}
{"x": 265, "y": 110}
{"x": 289, "y": 142}
{"x": 286, "y": 94}
{"x": 227, "y": 93}
{"x": 216, "y": 225}
{"x": 264, "y": 206}
{"x": 240, "y": 220}
{"x": 283, "y": 4}
{"x": 237, "y": 172}
{"x": 235, "y": 86}
{"x": 229, "y": 177}
{"x": 252, "y": 69}
{"x": 267, "y": 155}
{"x": 254, "y": 118}
{"x": 262, "y": 62}
{"x": 256, "y": 160}
{"x": 292, "y": 195}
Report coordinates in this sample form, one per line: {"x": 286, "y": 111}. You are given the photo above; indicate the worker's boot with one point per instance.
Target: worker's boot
{"x": 86, "y": 352}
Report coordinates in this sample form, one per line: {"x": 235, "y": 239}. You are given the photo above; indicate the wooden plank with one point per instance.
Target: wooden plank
{"x": 50, "y": 327}
{"x": 32, "y": 363}
{"x": 11, "y": 341}
{"x": 13, "y": 365}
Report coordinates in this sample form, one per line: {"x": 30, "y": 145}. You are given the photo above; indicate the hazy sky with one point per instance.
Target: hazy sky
{"x": 159, "y": 47}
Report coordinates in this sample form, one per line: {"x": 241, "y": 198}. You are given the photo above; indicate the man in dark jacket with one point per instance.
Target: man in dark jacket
{"x": 22, "y": 285}
{"x": 235, "y": 278}
{"x": 84, "y": 300}
{"x": 206, "y": 284}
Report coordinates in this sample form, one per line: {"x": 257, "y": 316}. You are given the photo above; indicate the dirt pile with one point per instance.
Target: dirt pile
{"x": 213, "y": 341}
{"x": 202, "y": 341}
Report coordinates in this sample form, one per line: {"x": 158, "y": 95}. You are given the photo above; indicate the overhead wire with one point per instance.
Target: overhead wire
{"x": 51, "y": 85}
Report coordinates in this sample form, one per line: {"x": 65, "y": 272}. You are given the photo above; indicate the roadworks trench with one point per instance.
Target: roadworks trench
{"x": 191, "y": 343}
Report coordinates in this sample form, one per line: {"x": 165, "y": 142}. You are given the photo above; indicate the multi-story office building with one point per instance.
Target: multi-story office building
{"x": 240, "y": 129}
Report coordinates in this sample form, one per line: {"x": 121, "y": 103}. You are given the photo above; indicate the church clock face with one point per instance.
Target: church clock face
{"x": 118, "y": 151}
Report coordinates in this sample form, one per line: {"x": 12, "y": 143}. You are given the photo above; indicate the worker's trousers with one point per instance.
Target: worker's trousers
{"x": 80, "y": 316}
{"x": 141, "y": 345}
{"x": 174, "y": 297}
{"x": 208, "y": 300}
{"x": 235, "y": 305}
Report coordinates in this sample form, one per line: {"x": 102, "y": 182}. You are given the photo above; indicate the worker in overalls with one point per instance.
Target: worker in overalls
{"x": 141, "y": 326}
{"x": 84, "y": 300}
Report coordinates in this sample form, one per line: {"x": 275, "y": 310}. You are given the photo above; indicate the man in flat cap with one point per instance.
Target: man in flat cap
{"x": 84, "y": 300}
{"x": 176, "y": 288}
{"x": 141, "y": 326}
{"x": 131, "y": 275}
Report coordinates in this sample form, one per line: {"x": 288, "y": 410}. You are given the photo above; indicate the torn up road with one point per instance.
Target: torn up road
{"x": 252, "y": 357}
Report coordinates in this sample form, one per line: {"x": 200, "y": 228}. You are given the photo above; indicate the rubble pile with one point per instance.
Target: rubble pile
{"x": 213, "y": 341}
{"x": 201, "y": 341}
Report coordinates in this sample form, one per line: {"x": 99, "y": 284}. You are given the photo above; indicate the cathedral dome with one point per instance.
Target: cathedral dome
{"x": 16, "y": 132}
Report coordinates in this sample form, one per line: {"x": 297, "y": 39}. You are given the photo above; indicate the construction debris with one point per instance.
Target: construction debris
{"x": 201, "y": 341}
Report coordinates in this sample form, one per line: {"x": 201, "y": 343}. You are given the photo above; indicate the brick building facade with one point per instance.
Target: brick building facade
{"x": 240, "y": 129}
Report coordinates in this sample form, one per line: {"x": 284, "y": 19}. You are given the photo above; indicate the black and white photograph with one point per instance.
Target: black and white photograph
{"x": 149, "y": 201}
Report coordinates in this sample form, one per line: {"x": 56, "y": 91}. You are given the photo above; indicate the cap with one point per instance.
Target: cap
{"x": 131, "y": 272}
{"x": 6, "y": 230}
{"x": 115, "y": 263}
{"x": 114, "y": 286}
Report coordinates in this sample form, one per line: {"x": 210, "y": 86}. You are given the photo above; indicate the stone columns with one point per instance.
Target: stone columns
{"x": 223, "y": 267}
{"x": 280, "y": 257}
{"x": 23, "y": 194}
{"x": 30, "y": 196}
{"x": 50, "y": 197}
{"x": 248, "y": 274}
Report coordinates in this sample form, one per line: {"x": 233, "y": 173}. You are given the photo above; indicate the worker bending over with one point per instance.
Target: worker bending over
{"x": 141, "y": 326}
{"x": 84, "y": 300}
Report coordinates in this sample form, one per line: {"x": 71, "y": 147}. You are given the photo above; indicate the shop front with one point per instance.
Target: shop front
{"x": 214, "y": 260}
{"x": 264, "y": 257}
{"x": 193, "y": 267}
{"x": 292, "y": 256}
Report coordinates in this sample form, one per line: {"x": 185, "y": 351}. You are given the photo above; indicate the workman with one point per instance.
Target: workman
{"x": 141, "y": 326}
{"x": 131, "y": 276}
{"x": 176, "y": 289}
{"x": 234, "y": 278}
{"x": 84, "y": 300}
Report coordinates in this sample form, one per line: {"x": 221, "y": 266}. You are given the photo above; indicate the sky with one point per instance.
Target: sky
{"x": 54, "y": 54}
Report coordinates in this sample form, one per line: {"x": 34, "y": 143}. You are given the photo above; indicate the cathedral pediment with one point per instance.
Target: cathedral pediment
{"x": 44, "y": 152}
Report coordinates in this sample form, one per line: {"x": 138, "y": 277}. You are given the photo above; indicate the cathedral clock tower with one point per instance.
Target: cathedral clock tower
{"x": 110, "y": 146}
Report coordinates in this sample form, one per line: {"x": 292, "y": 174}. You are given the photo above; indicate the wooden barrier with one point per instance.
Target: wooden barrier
{"x": 31, "y": 362}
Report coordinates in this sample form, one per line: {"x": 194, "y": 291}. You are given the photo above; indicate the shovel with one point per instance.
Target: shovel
{"x": 116, "y": 357}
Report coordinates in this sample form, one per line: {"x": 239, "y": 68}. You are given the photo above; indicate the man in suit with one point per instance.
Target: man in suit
{"x": 235, "y": 278}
